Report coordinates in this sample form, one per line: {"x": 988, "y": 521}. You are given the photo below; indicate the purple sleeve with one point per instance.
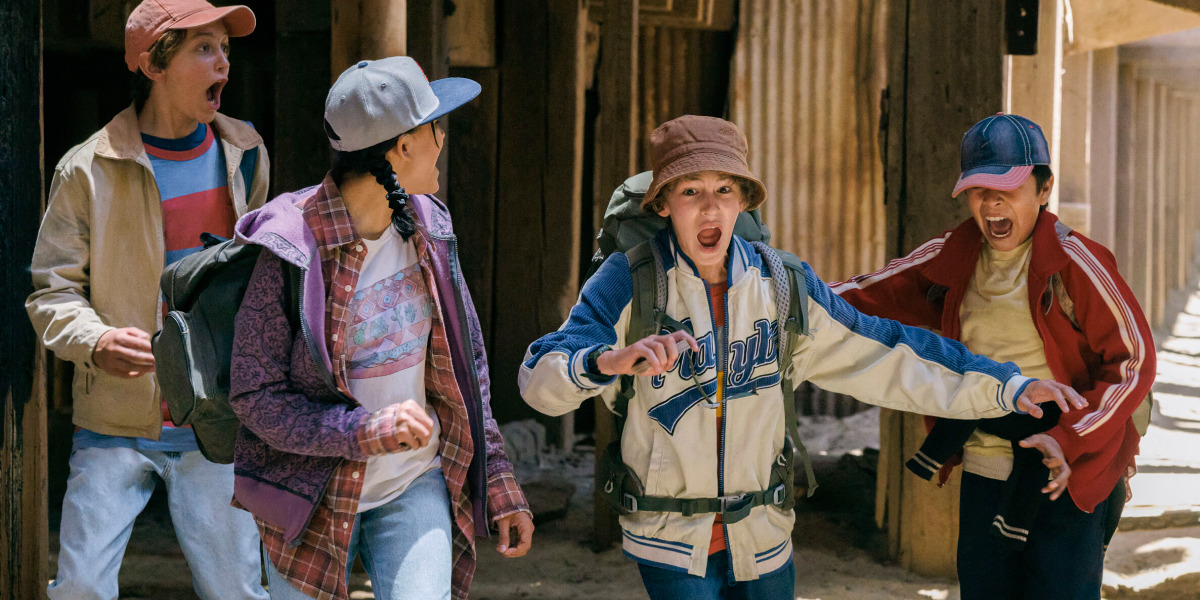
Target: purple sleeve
{"x": 497, "y": 460}
{"x": 261, "y": 393}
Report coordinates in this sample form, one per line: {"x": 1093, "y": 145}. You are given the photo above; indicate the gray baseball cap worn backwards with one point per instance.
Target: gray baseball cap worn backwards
{"x": 377, "y": 100}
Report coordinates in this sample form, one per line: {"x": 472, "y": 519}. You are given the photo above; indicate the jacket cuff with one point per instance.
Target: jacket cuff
{"x": 377, "y": 432}
{"x": 505, "y": 496}
{"x": 1064, "y": 438}
{"x": 86, "y": 343}
{"x": 1011, "y": 390}
{"x": 580, "y": 375}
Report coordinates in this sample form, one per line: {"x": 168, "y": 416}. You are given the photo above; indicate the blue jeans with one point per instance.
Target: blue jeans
{"x": 1063, "y": 559}
{"x": 405, "y": 545}
{"x": 109, "y": 487}
{"x": 717, "y": 583}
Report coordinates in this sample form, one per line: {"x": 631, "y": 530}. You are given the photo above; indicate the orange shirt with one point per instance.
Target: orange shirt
{"x": 717, "y": 292}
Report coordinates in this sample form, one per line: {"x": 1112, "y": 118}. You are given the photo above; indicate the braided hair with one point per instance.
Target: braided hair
{"x": 373, "y": 160}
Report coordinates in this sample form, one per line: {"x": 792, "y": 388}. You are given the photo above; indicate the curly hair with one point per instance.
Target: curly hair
{"x": 373, "y": 160}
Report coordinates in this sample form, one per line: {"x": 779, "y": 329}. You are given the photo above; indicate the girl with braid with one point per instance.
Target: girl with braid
{"x": 359, "y": 372}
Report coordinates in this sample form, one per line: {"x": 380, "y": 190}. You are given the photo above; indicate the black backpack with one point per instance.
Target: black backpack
{"x": 192, "y": 351}
{"x": 629, "y": 229}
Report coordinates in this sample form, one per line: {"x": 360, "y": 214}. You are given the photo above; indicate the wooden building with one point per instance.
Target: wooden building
{"x": 854, "y": 110}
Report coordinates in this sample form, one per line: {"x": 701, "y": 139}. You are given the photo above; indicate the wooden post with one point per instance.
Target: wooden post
{"x": 935, "y": 93}
{"x": 1158, "y": 238}
{"x": 300, "y": 152}
{"x": 1072, "y": 175}
{"x": 366, "y": 29}
{"x": 24, "y": 536}
{"x": 1102, "y": 145}
{"x": 1143, "y": 196}
{"x": 1035, "y": 82}
{"x": 1125, "y": 180}
{"x": 616, "y": 160}
{"x": 428, "y": 43}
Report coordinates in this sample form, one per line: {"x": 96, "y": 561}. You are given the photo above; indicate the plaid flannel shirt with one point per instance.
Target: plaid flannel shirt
{"x": 316, "y": 565}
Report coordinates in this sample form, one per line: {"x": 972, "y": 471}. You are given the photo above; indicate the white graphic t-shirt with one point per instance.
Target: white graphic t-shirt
{"x": 387, "y": 336}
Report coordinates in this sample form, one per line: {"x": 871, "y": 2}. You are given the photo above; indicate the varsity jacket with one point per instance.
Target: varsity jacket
{"x": 1109, "y": 358}
{"x": 670, "y": 434}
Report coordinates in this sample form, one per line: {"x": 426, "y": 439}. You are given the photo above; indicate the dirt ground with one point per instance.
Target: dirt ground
{"x": 837, "y": 558}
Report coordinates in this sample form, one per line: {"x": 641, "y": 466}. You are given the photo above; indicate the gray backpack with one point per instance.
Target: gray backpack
{"x": 192, "y": 351}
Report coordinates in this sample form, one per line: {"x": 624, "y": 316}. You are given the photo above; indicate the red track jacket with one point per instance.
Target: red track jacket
{"x": 1109, "y": 358}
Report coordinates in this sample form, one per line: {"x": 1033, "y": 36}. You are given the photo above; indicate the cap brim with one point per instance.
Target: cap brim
{"x": 1003, "y": 178}
{"x": 451, "y": 92}
{"x": 239, "y": 20}
{"x": 697, "y": 162}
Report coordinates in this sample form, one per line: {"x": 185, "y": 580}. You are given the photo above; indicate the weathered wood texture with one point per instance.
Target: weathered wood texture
{"x": 300, "y": 152}
{"x": 1034, "y": 83}
{"x": 368, "y": 29}
{"x": 24, "y": 538}
{"x": 473, "y": 144}
{"x": 538, "y": 192}
{"x": 1109, "y": 23}
{"x": 806, "y": 86}
{"x": 472, "y": 33}
{"x": 806, "y": 83}
{"x": 616, "y": 160}
{"x": 428, "y": 42}
{"x": 935, "y": 93}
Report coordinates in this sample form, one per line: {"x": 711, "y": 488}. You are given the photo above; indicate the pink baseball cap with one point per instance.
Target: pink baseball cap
{"x": 152, "y": 18}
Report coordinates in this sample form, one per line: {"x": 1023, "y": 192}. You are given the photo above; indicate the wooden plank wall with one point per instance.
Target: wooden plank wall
{"x": 806, "y": 84}
{"x": 536, "y": 206}
{"x": 24, "y": 539}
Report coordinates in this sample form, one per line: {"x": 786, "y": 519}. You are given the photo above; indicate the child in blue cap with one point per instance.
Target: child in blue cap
{"x": 1015, "y": 284}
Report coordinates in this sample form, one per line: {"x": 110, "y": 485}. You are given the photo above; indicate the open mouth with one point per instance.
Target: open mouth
{"x": 213, "y": 94}
{"x": 709, "y": 237}
{"x": 999, "y": 227}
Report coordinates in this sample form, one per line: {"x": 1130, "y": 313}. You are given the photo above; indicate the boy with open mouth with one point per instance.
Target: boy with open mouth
{"x": 1015, "y": 283}
{"x": 124, "y": 204}
{"x": 705, "y": 425}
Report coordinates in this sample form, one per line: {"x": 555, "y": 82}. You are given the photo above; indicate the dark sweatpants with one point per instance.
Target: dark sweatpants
{"x": 1063, "y": 559}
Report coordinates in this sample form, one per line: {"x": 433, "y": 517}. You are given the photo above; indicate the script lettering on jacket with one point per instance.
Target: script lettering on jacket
{"x": 760, "y": 348}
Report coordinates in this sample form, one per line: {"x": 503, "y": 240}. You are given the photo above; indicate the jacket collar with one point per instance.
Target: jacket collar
{"x": 122, "y": 140}
{"x": 327, "y": 216}
{"x": 954, "y": 265}
{"x": 741, "y": 258}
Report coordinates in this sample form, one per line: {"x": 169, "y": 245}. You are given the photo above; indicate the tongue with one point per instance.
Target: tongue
{"x": 1000, "y": 228}
{"x": 709, "y": 237}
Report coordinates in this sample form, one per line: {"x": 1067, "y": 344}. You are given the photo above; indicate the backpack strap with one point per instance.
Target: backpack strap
{"x": 791, "y": 304}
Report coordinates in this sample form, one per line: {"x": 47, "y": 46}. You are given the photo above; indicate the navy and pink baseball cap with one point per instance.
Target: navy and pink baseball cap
{"x": 999, "y": 153}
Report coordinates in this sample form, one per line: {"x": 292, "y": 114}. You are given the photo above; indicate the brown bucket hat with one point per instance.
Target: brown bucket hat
{"x": 691, "y": 144}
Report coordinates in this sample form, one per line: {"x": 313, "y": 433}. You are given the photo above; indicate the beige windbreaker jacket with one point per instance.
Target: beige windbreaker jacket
{"x": 99, "y": 256}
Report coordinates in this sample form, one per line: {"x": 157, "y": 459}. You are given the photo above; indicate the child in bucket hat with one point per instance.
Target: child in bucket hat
{"x": 100, "y": 253}
{"x": 370, "y": 424}
{"x": 705, "y": 422}
{"x": 1015, "y": 283}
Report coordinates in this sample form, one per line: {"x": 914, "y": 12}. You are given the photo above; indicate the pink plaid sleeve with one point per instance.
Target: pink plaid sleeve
{"x": 505, "y": 496}
{"x": 377, "y": 432}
